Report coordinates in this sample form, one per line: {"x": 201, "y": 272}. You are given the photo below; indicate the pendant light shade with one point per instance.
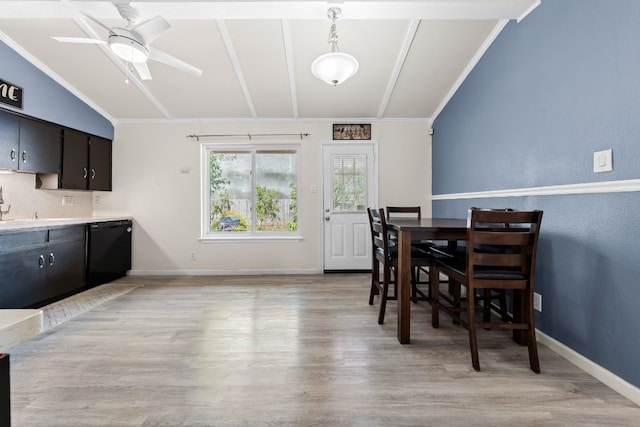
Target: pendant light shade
{"x": 335, "y": 67}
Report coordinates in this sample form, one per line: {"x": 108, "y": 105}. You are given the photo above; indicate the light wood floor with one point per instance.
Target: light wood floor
{"x": 287, "y": 351}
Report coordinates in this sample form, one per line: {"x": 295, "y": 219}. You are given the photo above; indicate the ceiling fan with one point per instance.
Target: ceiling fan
{"x": 132, "y": 42}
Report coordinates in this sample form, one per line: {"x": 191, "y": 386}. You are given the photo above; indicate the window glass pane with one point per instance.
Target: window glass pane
{"x": 276, "y": 191}
{"x": 349, "y": 182}
{"x": 230, "y": 191}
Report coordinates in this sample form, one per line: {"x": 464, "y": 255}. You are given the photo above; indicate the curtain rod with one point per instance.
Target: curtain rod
{"x": 248, "y": 135}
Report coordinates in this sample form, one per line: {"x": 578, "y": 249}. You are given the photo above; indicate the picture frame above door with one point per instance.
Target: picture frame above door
{"x": 343, "y": 131}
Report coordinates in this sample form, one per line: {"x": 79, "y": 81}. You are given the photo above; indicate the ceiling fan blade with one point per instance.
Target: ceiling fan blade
{"x": 150, "y": 29}
{"x": 174, "y": 62}
{"x": 143, "y": 70}
{"x": 96, "y": 21}
{"x": 84, "y": 40}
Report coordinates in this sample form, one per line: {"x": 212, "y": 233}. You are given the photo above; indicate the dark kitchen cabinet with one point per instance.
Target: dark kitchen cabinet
{"x": 99, "y": 163}
{"x": 39, "y": 146}
{"x": 22, "y": 267}
{"x": 29, "y": 145}
{"x": 9, "y": 140}
{"x": 65, "y": 259}
{"x": 39, "y": 265}
{"x": 86, "y": 162}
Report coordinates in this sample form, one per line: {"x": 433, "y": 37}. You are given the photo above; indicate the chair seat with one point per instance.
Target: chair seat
{"x": 441, "y": 251}
{"x": 422, "y": 245}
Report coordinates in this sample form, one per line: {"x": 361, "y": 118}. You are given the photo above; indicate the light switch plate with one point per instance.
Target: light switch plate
{"x": 603, "y": 161}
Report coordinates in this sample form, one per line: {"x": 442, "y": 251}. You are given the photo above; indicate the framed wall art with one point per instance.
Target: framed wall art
{"x": 351, "y": 131}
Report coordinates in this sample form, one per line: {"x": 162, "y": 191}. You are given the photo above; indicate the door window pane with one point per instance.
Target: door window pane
{"x": 349, "y": 178}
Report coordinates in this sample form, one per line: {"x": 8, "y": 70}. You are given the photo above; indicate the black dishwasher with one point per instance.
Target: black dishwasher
{"x": 108, "y": 251}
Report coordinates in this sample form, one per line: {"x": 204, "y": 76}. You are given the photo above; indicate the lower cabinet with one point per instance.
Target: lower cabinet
{"x": 38, "y": 265}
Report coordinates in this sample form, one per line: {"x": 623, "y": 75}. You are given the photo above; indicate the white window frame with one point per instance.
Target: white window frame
{"x": 205, "y": 197}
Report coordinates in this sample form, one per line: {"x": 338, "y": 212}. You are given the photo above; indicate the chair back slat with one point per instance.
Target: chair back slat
{"x": 499, "y": 260}
{"x": 504, "y": 237}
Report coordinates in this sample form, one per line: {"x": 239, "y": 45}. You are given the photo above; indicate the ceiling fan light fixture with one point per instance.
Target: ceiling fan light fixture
{"x": 128, "y": 49}
{"x": 335, "y": 67}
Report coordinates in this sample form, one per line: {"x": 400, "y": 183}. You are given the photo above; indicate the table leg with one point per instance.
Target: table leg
{"x": 404, "y": 287}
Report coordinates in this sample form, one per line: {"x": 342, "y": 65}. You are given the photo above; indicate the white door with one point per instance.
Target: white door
{"x": 349, "y": 187}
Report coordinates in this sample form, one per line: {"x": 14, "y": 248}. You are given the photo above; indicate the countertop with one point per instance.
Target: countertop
{"x": 23, "y": 224}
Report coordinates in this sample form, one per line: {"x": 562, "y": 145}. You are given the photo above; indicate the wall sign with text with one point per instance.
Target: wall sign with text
{"x": 351, "y": 131}
{"x": 10, "y": 94}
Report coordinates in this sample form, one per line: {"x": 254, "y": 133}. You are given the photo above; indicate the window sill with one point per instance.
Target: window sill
{"x": 250, "y": 239}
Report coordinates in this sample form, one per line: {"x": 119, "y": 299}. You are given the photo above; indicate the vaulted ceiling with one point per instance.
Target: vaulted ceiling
{"x": 256, "y": 56}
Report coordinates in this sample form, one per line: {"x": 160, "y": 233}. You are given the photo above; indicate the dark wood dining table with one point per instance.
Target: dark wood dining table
{"x": 412, "y": 229}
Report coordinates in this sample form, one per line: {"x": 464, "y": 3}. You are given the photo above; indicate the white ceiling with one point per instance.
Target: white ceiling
{"x": 256, "y": 56}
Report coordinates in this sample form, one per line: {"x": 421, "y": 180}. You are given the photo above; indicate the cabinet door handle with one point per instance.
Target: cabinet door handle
{"x": 24, "y": 157}
{"x": 41, "y": 261}
{"x": 52, "y": 259}
{"x": 13, "y": 155}
{"x": 93, "y": 173}
{"x": 84, "y": 172}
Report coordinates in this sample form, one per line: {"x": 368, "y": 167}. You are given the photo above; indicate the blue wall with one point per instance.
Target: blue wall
{"x": 550, "y": 91}
{"x": 46, "y": 99}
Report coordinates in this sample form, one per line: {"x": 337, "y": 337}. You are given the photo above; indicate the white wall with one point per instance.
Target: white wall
{"x": 165, "y": 203}
{"x": 19, "y": 191}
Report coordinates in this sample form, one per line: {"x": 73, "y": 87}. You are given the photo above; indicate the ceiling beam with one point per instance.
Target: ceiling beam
{"x": 233, "y": 56}
{"x": 288, "y": 53}
{"x": 397, "y": 68}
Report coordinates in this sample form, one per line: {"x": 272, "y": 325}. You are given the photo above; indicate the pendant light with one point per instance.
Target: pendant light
{"x": 334, "y": 67}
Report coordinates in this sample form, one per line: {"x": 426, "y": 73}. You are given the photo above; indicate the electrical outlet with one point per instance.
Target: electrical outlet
{"x": 537, "y": 302}
{"x": 67, "y": 200}
{"x": 192, "y": 255}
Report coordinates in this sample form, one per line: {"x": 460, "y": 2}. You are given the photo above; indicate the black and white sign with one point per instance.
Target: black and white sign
{"x": 10, "y": 94}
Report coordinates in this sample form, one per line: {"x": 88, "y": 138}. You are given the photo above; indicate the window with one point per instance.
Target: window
{"x": 250, "y": 191}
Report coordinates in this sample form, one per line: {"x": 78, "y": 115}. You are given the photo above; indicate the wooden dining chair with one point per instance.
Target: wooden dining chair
{"x": 423, "y": 245}
{"x": 497, "y": 257}
{"x": 386, "y": 256}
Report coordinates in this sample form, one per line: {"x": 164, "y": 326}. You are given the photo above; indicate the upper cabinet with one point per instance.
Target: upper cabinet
{"x": 39, "y": 146}
{"x": 9, "y": 140}
{"x": 63, "y": 158}
{"x": 29, "y": 145}
{"x": 99, "y": 163}
{"x": 86, "y": 162}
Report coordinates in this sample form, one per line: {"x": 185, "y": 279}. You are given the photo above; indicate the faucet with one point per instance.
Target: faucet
{"x": 1, "y": 203}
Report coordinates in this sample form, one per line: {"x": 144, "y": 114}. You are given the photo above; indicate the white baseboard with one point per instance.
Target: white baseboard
{"x": 219, "y": 272}
{"x": 608, "y": 378}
